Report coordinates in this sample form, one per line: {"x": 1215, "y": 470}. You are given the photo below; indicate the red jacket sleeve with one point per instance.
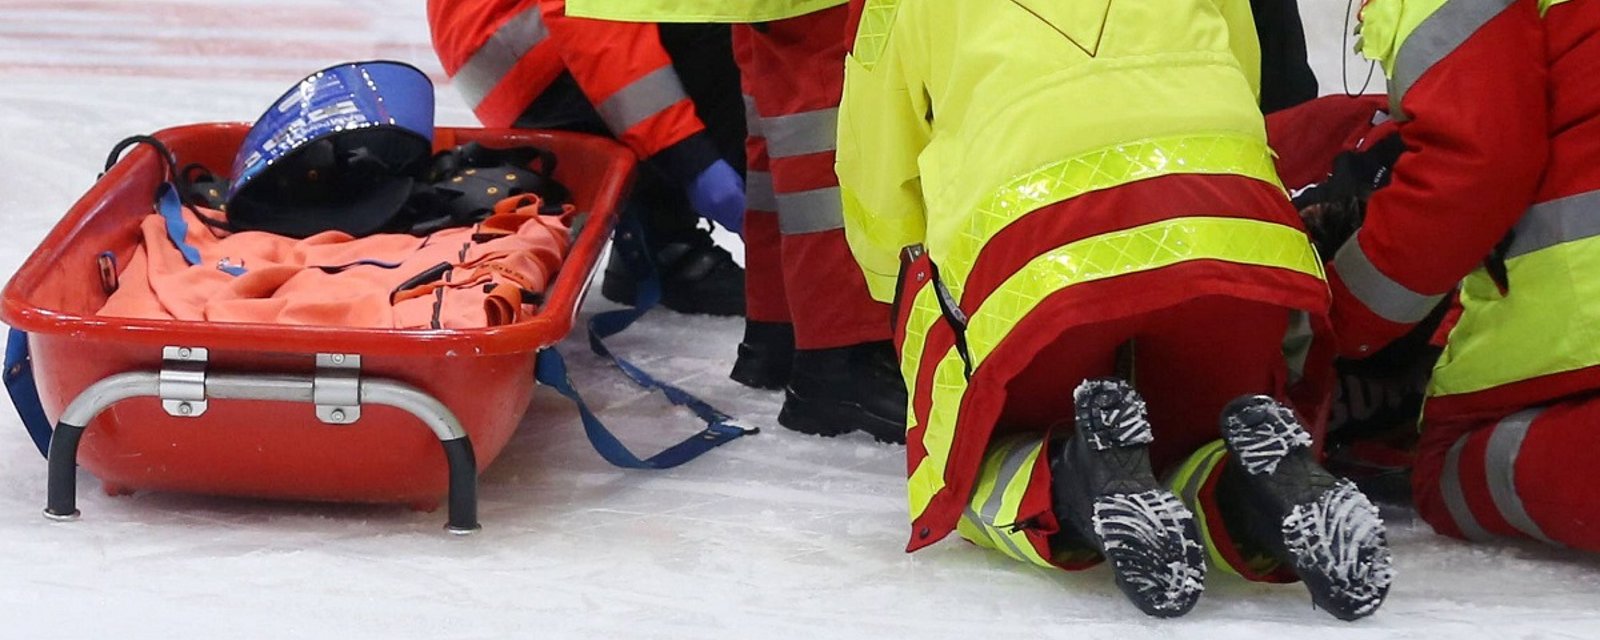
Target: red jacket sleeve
{"x": 496, "y": 53}
{"x": 627, "y": 75}
{"x": 1476, "y": 136}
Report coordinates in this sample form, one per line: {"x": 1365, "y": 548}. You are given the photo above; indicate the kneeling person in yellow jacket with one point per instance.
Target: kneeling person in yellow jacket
{"x": 1058, "y": 187}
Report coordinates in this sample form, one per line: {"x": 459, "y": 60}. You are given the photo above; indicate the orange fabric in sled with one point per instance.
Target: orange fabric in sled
{"x": 460, "y": 278}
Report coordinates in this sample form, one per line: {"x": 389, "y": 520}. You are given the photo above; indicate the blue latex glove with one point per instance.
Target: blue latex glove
{"x": 718, "y": 193}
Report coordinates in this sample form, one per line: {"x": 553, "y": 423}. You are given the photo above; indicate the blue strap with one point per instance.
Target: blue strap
{"x": 170, "y": 206}
{"x": 18, "y": 377}
{"x": 551, "y": 371}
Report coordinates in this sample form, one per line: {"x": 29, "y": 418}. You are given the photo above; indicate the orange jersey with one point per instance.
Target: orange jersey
{"x": 460, "y": 278}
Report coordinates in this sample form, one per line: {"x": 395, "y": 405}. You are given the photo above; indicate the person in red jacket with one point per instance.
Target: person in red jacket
{"x": 1497, "y": 194}
{"x": 525, "y": 63}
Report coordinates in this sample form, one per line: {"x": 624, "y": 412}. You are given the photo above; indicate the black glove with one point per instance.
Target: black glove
{"x": 1334, "y": 209}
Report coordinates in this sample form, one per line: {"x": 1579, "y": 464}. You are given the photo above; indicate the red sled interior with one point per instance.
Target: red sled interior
{"x": 276, "y": 449}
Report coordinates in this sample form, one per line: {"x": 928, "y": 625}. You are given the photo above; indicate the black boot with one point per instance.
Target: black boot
{"x": 1108, "y": 499}
{"x": 766, "y": 356}
{"x": 835, "y": 391}
{"x": 1278, "y": 499}
{"x": 697, "y": 276}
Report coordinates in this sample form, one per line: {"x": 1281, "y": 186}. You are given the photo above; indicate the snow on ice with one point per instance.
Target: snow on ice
{"x": 779, "y": 535}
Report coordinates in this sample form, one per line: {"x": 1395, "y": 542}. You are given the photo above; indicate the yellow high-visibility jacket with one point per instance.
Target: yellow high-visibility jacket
{"x": 1026, "y": 84}
{"x": 963, "y": 118}
{"x": 736, "y": 11}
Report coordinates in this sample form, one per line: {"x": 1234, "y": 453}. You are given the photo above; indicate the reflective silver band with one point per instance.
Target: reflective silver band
{"x": 1500, "y": 467}
{"x": 1017, "y": 453}
{"x": 1548, "y": 224}
{"x": 1437, "y": 36}
{"x": 758, "y": 194}
{"x": 994, "y": 532}
{"x": 1014, "y": 456}
{"x": 495, "y": 59}
{"x": 812, "y": 211}
{"x": 1389, "y": 299}
{"x": 802, "y": 133}
{"x": 752, "y": 118}
{"x": 1297, "y": 341}
{"x": 1455, "y": 500}
{"x": 641, "y": 99}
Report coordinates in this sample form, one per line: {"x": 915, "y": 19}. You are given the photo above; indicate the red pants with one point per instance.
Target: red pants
{"x": 797, "y": 266}
{"x": 1189, "y": 361}
{"x": 1529, "y": 475}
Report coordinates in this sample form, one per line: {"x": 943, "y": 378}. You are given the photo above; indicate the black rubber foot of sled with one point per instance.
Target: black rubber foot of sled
{"x": 463, "y": 486}
{"x": 62, "y": 490}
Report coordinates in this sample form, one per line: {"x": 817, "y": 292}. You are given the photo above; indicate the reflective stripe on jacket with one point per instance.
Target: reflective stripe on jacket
{"x": 1503, "y": 149}
{"x": 502, "y": 54}
{"x": 735, "y": 11}
{"x": 960, "y": 120}
{"x": 1029, "y": 88}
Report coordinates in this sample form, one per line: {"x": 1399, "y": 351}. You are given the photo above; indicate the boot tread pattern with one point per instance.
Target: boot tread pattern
{"x": 1331, "y": 534}
{"x": 1340, "y": 539}
{"x": 1263, "y": 434}
{"x": 1151, "y": 540}
{"x": 1112, "y": 413}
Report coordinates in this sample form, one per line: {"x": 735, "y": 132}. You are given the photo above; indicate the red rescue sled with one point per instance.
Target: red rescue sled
{"x": 283, "y": 412}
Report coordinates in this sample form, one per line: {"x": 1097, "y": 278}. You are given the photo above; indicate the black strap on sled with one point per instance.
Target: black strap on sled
{"x": 551, "y": 371}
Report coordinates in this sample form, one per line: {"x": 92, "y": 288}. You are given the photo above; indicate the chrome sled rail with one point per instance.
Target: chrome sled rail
{"x": 336, "y": 389}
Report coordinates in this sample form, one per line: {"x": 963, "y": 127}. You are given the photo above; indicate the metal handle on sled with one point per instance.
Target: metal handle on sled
{"x": 63, "y": 482}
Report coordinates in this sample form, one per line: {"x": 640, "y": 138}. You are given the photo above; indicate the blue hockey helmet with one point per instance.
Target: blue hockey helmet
{"x": 341, "y": 150}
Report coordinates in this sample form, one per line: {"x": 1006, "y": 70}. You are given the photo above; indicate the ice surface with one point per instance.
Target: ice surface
{"x": 779, "y": 535}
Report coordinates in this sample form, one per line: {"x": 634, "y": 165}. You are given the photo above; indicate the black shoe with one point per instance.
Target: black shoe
{"x": 1320, "y": 526}
{"x": 855, "y": 388}
{"x": 766, "y": 356}
{"x": 1110, "y": 501}
{"x": 697, "y": 276}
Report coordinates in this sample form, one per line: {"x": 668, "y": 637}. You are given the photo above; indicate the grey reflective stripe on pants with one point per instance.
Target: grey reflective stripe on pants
{"x": 1500, "y": 467}
{"x": 801, "y": 133}
{"x": 1015, "y": 551}
{"x": 758, "y": 194}
{"x": 492, "y": 61}
{"x": 1548, "y": 224}
{"x": 752, "y": 118}
{"x": 1437, "y": 36}
{"x": 812, "y": 211}
{"x": 641, "y": 99}
{"x": 1389, "y": 299}
{"x": 1015, "y": 456}
{"x": 1455, "y": 499}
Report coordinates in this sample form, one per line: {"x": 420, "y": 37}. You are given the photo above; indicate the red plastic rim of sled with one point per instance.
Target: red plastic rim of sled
{"x": 277, "y": 450}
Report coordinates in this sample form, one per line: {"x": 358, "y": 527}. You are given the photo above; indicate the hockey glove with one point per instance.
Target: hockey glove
{"x": 1333, "y": 210}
